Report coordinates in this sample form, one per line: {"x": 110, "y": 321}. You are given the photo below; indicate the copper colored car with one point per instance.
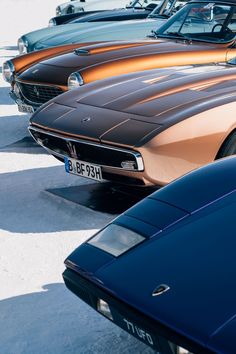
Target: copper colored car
{"x": 201, "y": 32}
{"x": 144, "y": 128}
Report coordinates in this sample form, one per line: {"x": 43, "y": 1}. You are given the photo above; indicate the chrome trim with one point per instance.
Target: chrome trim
{"x": 11, "y": 68}
{"x": 22, "y": 43}
{"x": 34, "y": 84}
{"x": 137, "y": 155}
{"x": 79, "y": 79}
{"x": 160, "y": 289}
{"x": 52, "y": 22}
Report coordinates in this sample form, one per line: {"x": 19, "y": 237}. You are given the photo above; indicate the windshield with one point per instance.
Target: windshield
{"x": 167, "y": 8}
{"x": 143, "y": 3}
{"x": 205, "y": 21}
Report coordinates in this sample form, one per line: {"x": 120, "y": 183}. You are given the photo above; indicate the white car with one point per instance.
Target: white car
{"x": 73, "y": 6}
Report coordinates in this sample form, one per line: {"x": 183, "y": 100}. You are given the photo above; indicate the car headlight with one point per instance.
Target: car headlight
{"x": 8, "y": 70}
{"x": 58, "y": 11}
{"x": 75, "y": 80}
{"x": 116, "y": 239}
{"x": 52, "y": 22}
{"x": 22, "y": 46}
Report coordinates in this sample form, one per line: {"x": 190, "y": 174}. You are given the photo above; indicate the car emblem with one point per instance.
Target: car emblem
{"x": 72, "y": 149}
{"x": 87, "y": 119}
{"x": 160, "y": 289}
{"x": 36, "y": 91}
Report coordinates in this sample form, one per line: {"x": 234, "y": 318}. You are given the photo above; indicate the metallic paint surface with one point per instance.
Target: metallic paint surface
{"x": 172, "y": 117}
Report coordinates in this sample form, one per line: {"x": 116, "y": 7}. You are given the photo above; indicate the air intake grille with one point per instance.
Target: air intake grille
{"x": 39, "y": 94}
{"x": 85, "y": 151}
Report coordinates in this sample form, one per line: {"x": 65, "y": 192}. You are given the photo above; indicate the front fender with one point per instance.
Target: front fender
{"x": 23, "y": 62}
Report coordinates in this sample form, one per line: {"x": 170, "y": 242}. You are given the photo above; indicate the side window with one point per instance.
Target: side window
{"x": 232, "y": 23}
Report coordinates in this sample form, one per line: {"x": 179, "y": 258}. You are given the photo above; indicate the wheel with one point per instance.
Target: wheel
{"x": 229, "y": 146}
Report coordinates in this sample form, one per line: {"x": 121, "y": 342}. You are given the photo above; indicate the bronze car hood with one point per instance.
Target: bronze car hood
{"x": 130, "y": 109}
{"x": 57, "y": 69}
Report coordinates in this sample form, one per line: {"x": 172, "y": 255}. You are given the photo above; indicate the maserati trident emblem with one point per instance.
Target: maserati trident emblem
{"x": 160, "y": 289}
{"x": 72, "y": 149}
{"x": 36, "y": 91}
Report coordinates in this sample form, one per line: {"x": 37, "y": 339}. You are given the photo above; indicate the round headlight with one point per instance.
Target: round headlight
{"x": 52, "y": 22}
{"x": 8, "y": 71}
{"x": 75, "y": 80}
{"x": 22, "y": 46}
{"x": 58, "y": 11}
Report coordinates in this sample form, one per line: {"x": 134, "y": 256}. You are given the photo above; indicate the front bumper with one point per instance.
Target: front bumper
{"x": 21, "y": 101}
{"x": 33, "y": 94}
{"x": 108, "y": 157}
{"x": 144, "y": 328}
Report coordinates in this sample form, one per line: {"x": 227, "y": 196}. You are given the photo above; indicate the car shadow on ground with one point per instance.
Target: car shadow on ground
{"x": 27, "y": 208}
{"x": 104, "y": 197}
{"x": 4, "y": 95}
{"x": 13, "y": 128}
{"x": 47, "y": 199}
{"x": 26, "y": 145}
{"x": 53, "y": 320}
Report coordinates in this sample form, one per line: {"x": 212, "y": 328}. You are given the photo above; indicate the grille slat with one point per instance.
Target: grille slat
{"x": 39, "y": 94}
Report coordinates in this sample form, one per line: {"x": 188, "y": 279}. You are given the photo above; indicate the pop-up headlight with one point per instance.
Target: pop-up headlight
{"x": 116, "y": 239}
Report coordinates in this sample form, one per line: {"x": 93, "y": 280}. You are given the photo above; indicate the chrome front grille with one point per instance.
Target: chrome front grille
{"x": 86, "y": 151}
{"x": 39, "y": 94}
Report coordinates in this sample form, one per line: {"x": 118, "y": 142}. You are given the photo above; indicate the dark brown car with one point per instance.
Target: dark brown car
{"x": 201, "y": 32}
{"x": 143, "y": 128}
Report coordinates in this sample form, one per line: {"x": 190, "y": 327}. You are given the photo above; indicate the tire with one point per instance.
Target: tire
{"x": 229, "y": 146}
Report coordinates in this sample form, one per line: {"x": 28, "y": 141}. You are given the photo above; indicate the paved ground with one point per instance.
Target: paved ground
{"x": 38, "y": 230}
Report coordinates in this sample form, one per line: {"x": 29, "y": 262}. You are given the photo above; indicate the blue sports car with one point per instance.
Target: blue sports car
{"x": 165, "y": 269}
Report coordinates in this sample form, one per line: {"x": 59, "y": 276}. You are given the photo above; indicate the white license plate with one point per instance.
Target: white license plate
{"x": 25, "y": 108}
{"x": 84, "y": 169}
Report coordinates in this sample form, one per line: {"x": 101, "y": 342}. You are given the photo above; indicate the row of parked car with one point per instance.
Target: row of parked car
{"x": 142, "y": 96}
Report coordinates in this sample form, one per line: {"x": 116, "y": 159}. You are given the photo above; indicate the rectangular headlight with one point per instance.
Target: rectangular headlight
{"x": 104, "y": 309}
{"x": 116, "y": 239}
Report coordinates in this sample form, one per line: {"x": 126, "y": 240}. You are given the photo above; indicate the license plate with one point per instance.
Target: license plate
{"x": 25, "y": 108}
{"x": 84, "y": 169}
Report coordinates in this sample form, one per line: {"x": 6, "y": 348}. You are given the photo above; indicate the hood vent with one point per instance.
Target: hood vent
{"x": 81, "y": 52}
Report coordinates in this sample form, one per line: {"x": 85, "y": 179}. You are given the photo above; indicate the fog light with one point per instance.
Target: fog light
{"x": 104, "y": 309}
{"x": 128, "y": 165}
